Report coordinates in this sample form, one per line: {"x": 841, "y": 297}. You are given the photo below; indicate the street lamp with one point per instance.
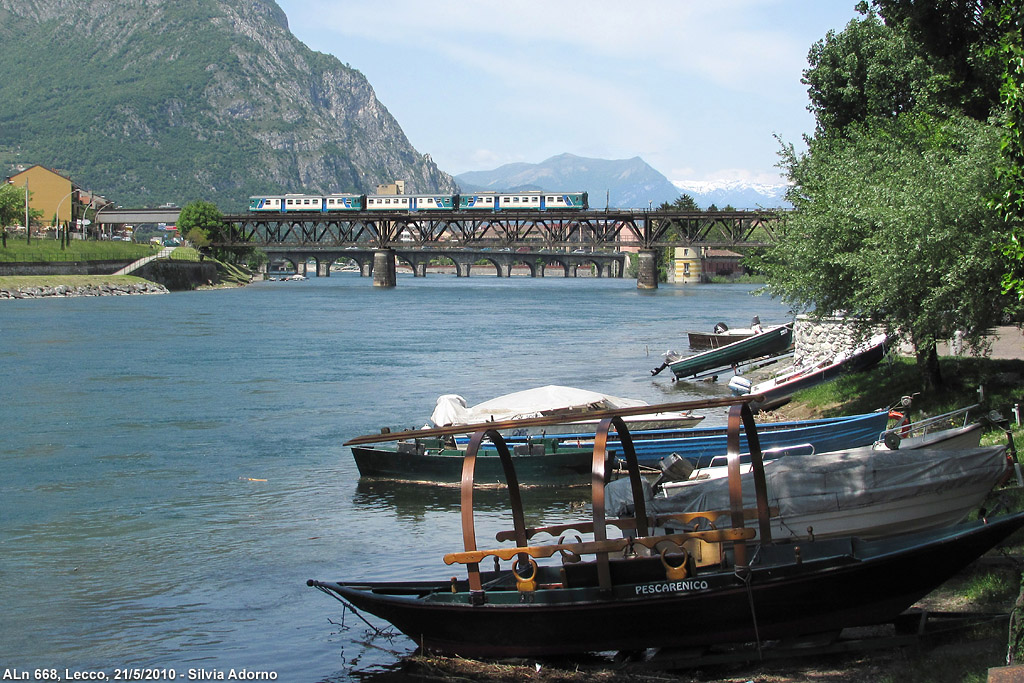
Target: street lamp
{"x": 57, "y": 211}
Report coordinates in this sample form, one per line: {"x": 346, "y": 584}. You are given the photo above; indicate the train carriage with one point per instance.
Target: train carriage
{"x": 388, "y": 202}
{"x": 482, "y": 201}
{"x": 266, "y": 203}
{"x": 303, "y": 203}
{"x": 343, "y": 202}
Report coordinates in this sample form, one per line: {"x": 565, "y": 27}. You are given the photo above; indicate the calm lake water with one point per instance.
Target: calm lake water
{"x": 173, "y": 469}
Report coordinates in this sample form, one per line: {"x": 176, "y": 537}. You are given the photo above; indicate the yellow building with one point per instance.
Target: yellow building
{"x": 688, "y": 265}
{"x": 49, "y": 192}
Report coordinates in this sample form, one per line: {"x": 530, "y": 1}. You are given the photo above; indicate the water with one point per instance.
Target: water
{"x": 173, "y": 469}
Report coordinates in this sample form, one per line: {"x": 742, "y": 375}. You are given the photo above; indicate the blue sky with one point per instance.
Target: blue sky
{"x": 698, "y": 89}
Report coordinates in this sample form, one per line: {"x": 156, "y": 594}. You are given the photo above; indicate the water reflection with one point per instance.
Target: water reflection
{"x": 413, "y": 500}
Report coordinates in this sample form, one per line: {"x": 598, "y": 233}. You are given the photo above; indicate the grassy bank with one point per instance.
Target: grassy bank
{"x": 48, "y": 250}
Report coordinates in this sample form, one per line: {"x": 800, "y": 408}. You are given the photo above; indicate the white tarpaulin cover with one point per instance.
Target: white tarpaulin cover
{"x": 548, "y": 400}
{"x": 846, "y": 480}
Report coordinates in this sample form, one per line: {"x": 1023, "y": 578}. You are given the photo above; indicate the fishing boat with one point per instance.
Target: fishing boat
{"x": 779, "y": 389}
{"x": 563, "y": 458}
{"x": 701, "y": 445}
{"x": 570, "y": 403}
{"x": 772, "y": 341}
{"x": 865, "y": 492}
{"x": 539, "y": 462}
{"x": 721, "y": 336}
{"x": 948, "y": 430}
{"x": 624, "y": 588}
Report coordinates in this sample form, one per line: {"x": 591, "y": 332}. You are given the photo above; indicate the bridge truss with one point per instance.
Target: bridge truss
{"x": 550, "y": 229}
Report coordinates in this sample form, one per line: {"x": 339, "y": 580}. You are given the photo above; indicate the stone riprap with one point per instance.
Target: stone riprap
{"x": 29, "y": 292}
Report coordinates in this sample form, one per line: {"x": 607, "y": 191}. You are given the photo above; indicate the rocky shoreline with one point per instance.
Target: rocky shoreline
{"x": 103, "y": 289}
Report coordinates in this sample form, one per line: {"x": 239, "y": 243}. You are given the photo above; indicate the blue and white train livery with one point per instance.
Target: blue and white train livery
{"x": 481, "y": 201}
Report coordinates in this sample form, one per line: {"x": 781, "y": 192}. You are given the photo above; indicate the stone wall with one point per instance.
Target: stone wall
{"x": 82, "y": 290}
{"x": 816, "y": 340}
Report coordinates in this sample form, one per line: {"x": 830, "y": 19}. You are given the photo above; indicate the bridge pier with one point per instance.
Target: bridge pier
{"x": 384, "y": 268}
{"x": 323, "y": 268}
{"x": 647, "y": 269}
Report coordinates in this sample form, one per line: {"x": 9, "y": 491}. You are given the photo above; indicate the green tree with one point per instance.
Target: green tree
{"x": 868, "y": 70}
{"x": 12, "y": 207}
{"x": 1010, "y": 200}
{"x": 684, "y": 203}
{"x": 200, "y": 222}
{"x": 892, "y": 227}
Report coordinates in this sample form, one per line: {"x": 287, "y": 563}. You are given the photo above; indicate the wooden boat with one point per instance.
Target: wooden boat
{"x": 541, "y": 462}
{"x": 721, "y": 336}
{"x": 772, "y": 341}
{"x": 778, "y": 390}
{"x": 570, "y": 403}
{"x": 637, "y": 590}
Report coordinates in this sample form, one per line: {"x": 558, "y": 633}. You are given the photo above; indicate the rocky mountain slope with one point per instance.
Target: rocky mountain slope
{"x": 154, "y": 101}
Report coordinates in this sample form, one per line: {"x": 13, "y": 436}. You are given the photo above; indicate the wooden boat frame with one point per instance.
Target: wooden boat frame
{"x": 739, "y": 415}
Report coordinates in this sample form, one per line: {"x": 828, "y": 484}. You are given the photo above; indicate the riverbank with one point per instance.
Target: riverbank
{"x": 48, "y": 286}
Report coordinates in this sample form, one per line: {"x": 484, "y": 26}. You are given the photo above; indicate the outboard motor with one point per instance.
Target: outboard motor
{"x": 740, "y": 385}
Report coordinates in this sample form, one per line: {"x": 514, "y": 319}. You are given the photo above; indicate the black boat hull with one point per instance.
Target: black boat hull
{"x": 792, "y": 590}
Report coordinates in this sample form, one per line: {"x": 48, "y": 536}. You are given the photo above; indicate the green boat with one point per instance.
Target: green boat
{"x": 772, "y": 341}
{"x": 541, "y": 462}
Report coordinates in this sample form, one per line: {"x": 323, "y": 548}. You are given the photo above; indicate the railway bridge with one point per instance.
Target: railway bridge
{"x": 561, "y": 237}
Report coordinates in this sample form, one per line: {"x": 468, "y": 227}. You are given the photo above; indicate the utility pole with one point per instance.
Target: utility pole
{"x": 28, "y": 228}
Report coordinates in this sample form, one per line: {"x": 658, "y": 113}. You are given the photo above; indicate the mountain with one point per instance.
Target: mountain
{"x": 154, "y": 101}
{"x": 737, "y": 194}
{"x": 624, "y": 183}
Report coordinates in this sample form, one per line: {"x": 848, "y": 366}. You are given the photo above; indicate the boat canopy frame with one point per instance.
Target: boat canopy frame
{"x": 739, "y": 416}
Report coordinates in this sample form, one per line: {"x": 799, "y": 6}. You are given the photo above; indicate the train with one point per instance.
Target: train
{"x": 482, "y": 201}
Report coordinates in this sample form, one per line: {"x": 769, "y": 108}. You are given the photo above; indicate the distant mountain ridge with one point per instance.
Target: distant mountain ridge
{"x": 735, "y": 193}
{"x": 623, "y": 184}
{"x": 154, "y": 101}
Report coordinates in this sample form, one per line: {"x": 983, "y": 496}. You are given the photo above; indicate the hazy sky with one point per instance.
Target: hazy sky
{"x": 697, "y": 88}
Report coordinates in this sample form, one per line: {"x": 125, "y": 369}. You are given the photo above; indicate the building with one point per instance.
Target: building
{"x": 49, "y": 193}
{"x": 397, "y": 187}
{"x": 700, "y": 265}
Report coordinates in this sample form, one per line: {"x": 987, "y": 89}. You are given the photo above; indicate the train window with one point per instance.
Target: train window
{"x": 536, "y": 199}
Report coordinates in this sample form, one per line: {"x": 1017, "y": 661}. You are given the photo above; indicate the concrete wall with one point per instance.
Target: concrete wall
{"x": 178, "y": 275}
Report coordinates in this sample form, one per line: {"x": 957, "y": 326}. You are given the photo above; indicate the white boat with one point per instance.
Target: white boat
{"x": 949, "y": 430}
{"x": 777, "y": 390}
{"x": 859, "y": 492}
{"x": 553, "y": 400}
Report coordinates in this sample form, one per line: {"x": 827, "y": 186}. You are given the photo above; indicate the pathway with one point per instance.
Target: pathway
{"x": 131, "y": 267}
